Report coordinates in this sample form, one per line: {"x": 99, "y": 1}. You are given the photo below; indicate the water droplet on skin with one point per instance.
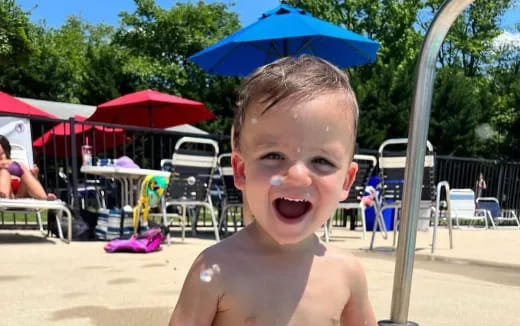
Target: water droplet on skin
{"x": 276, "y": 180}
{"x": 254, "y": 120}
{"x": 327, "y": 129}
{"x": 206, "y": 275}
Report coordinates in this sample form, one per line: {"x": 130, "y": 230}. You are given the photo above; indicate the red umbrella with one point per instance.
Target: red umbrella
{"x": 150, "y": 108}
{"x": 101, "y": 138}
{"x": 9, "y": 104}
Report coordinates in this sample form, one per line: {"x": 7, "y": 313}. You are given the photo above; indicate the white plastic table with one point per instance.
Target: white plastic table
{"x": 129, "y": 178}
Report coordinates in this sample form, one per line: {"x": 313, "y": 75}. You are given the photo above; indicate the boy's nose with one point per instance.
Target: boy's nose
{"x": 298, "y": 175}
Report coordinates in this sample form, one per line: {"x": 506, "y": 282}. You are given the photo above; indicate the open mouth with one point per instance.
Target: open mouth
{"x": 290, "y": 208}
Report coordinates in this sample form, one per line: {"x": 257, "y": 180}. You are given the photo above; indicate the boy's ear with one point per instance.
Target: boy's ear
{"x": 349, "y": 180}
{"x": 239, "y": 173}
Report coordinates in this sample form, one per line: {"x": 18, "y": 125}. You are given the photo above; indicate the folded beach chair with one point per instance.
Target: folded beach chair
{"x": 463, "y": 208}
{"x": 29, "y": 205}
{"x": 366, "y": 164}
{"x": 392, "y": 164}
{"x": 495, "y": 213}
{"x": 232, "y": 200}
{"x": 193, "y": 163}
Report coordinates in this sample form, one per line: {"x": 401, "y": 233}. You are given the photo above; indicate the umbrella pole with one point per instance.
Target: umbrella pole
{"x": 74, "y": 162}
{"x": 417, "y": 134}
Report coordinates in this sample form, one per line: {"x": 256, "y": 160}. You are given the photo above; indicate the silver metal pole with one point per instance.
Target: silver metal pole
{"x": 417, "y": 134}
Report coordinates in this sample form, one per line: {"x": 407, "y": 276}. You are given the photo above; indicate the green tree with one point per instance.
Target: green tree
{"x": 469, "y": 103}
{"x": 505, "y": 108}
{"x": 457, "y": 110}
{"x": 470, "y": 40}
{"x": 75, "y": 63}
{"x": 15, "y": 44}
{"x": 463, "y": 89}
{"x": 158, "y": 43}
{"x": 383, "y": 88}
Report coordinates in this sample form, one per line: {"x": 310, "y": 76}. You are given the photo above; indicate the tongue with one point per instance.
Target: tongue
{"x": 291, "y": 209}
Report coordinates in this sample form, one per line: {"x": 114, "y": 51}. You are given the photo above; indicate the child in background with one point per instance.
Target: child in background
{"x": 480, "y": 186}
{"x": 294, "y": 134}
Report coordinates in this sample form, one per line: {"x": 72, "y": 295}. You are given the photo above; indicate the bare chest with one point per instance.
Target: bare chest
{"x": 284, "y": 294}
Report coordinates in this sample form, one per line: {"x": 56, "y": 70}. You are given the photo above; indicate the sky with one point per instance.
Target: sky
{"x": 55, "y": 12}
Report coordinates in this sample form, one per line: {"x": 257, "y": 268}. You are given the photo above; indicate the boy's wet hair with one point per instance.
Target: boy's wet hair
{"x": 305, "y": 78}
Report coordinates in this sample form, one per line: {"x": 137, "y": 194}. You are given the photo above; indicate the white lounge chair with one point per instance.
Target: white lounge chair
{"x": 194, "y": 162}
{"x": 463, "y": 208}
{"x": 23, "y": 205}
{"x": 392, "y": 164}
{"x": 495, "y": 213}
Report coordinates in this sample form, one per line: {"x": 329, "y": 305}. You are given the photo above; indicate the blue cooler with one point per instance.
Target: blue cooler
{"x": 388, "y": 217}
{"x": 370, "y": 212}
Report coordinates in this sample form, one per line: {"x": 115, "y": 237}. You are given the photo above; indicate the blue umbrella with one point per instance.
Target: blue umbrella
{"x": 285, "y": 31}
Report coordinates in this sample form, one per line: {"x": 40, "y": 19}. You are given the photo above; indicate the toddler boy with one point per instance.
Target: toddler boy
{"x": 294, "y": 135}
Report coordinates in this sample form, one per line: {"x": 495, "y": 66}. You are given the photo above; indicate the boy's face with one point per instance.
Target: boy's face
{"x": 295, "y": 165}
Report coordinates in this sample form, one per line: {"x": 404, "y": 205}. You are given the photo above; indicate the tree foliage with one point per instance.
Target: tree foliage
{"x": 15, "y": 45}
{"x": 464, "y": 100}
{"x": 158, "y": 43}
{"x": 504, "y": 111}
{"x": 384, "y": 88}
{"x": 74, "y": 63}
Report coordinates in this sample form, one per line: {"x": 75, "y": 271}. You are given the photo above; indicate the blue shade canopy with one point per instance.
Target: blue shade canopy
{"x": 285, "y": 31}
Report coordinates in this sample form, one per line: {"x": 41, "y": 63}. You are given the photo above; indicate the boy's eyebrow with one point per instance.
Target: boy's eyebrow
{"x": 260, "y": 143}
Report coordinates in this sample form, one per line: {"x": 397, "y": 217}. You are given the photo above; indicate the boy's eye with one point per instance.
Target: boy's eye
{"x": 272, "y": 156}
{"x": 323, "y": 161}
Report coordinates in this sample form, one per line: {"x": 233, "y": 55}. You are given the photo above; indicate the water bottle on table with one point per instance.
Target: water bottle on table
{"x": 86, "y": 153}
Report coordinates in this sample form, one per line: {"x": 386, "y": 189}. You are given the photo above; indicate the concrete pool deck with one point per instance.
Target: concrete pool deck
{"x": 46, "y": 282}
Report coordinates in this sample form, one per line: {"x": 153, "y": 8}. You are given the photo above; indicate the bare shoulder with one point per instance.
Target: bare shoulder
{"x": 225, "y": 249}
{"x": 346, "y": 261}
{"x": 220, "y": 260}
{"x": 205, "y": 284}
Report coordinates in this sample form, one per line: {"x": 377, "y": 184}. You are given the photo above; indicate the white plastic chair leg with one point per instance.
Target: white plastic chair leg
{"x": 183, "y": 223}
{"x": 58, "y": 223}
{"x": 40, "y": 224}
{"x": 326, "y": 231}
{"x": 209, "y": 205}
{"x": 363, "y": 222}
{"x": 223, "y": 216}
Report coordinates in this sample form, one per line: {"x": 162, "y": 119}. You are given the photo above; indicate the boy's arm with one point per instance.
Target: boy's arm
{"x": 198, "y": 301}
{"x": 358, "y": 310}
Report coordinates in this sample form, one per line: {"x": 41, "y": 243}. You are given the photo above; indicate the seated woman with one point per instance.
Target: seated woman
{"x": 17, "y": 180}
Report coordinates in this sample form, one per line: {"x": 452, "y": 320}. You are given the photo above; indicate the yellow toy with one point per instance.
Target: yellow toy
{"x": 152, "y": 190}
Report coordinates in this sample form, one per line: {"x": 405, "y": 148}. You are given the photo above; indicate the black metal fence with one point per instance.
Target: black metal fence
{"x": 502, "y": 178}
{"x": 59, "y": 157}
